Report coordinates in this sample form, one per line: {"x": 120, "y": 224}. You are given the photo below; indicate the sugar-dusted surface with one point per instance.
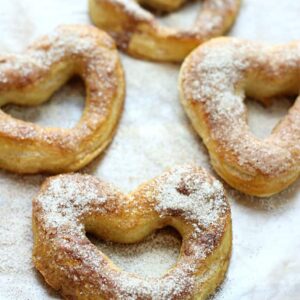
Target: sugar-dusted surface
{"x": 265, "y": 263}
{"x": 31, "y": 77}
{"x": 211, "y": 19}
{"x": 69, "y": 204}
{"x": 78, "y": 49}
{"x": 217, "y": 76}
{"x": 199, "y": 199}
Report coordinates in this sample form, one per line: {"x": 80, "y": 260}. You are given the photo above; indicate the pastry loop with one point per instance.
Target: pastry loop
{"x": 31, "y": 78}
{"x": 214, "y": 80}
{"x": 186, "y": 198}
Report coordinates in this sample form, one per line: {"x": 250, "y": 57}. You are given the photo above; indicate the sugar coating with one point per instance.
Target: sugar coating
{"x": 81, "y": 50}
{"x": 217, "y": 78}
{"x": 198, "y": 198}
{"x": 208, "y": 23}
{"x": 47, "y": 51}
{"x": 185, "y": 193}
{"x": 133, "y": 8}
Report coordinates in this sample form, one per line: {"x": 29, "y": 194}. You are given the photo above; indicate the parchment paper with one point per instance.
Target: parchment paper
{"x": 154, "y": 134}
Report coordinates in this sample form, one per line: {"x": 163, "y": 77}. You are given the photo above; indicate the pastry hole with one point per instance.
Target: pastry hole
{"x": 262, "y": 119}
{"x": 183, "y": 18}
{"x": 62, "y": 110}
{"x": 150, "y": 258}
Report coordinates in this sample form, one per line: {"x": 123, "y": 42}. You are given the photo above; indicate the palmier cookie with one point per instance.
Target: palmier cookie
{"x": 214, "y": 81}
{"x": 186, "y": 198}
{"x": 139, "y": 33}
{"x": 32, "y": 77}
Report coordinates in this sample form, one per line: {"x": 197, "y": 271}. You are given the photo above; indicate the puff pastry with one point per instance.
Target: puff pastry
{"x": 163, "y": 5}
{"x": 138, "y": 32}
{"x": 214, "y": 81}
{"x": 32, "y": 77}
{"x": 185, "y": 197}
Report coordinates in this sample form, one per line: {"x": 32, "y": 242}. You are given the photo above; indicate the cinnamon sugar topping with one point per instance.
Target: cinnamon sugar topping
{"x": 66, "y": 51}
{"x": 66, "y": 201}
{"x": 217, "y": 77}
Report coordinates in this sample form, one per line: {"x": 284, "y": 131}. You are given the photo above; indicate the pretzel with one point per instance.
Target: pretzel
{"x": 185, "y": 197}
{"x": 214, "y": 81}
{"x": 138, "y": 33}
{"x": 31, "y": 78}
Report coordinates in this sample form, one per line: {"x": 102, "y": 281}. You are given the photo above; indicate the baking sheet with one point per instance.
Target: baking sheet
{"x": 154, "y": 134}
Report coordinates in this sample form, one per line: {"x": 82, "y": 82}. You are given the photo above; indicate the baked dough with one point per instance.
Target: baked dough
{"x": 214, "y": 81}
{"x": 138, "y": 33}
{"x": 32, "y": 77}
{"x": 162, "y": 5}
{"x": 186, "y": 198}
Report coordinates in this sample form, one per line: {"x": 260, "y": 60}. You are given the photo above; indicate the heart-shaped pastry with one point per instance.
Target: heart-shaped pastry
{"x": 139, "y": 33}
{"x": 32, "y": 77}
{"x": 186, "y": 198}
{"x": 214, "y": 81}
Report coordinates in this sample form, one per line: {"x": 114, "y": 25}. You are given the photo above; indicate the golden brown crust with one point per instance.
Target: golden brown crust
{"x": 186, "y": 198}
{"x": 32, "y": 77}
{"x": 214, "y": 80}
{"x": 162, "y": 5}
{"x": 138, "y": 32}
